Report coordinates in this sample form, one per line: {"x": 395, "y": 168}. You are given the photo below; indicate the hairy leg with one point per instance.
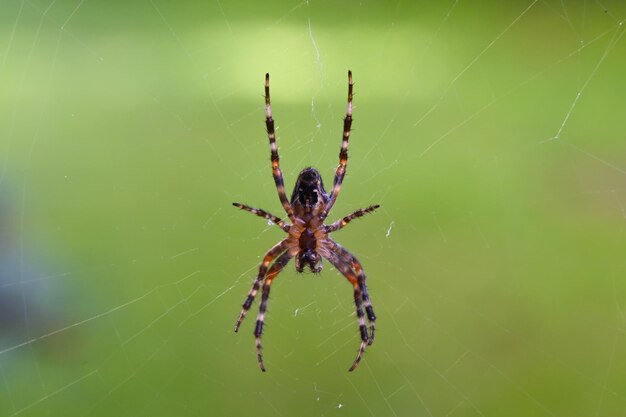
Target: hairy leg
{"x": 265, "y": 215}
{"x": 271, "y": 274}
{"x": 267, "y": 259}
{"x": 355, "y": 264}
{"x": 343, "y": 153}
{"x": 347, "y": 272}
{"x": 340, "y": 224}
{"x": 271, "y": 134}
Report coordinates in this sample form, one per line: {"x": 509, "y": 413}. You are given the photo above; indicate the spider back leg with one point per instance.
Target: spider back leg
{"x": 369, "y": 310}
{"x": 355, "y": 264}
{"x": 267, "y": 259}
{"x": 258, "y": 328}
{"x": 347, "y": 272}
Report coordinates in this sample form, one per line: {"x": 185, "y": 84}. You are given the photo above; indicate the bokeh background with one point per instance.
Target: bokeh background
{"x": 491, "y": 133}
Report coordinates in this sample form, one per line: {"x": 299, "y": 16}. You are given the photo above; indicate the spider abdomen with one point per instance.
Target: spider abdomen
{"x": 307, "y": 253}
{"x": 307, "y": 241}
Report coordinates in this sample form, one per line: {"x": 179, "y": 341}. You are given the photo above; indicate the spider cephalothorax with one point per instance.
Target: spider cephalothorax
{"x": 308, "y": 239}
{"x": 308, "y": 192}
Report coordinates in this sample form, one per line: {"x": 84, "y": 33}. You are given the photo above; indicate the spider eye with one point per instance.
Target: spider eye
{"x": 308, "y": 195}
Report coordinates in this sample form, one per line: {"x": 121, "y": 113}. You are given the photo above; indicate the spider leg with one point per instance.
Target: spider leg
{"x": 347, "y": 272}
{"x": 358, "y": 269}
{"x": 271, "y": 274}
{"x": 343, "y": 154}
{"x": 340, "y": 224}
{"x": 371, "y": 317}
{"x": 267, "y": 259}
{"x": 265, "y": 215}
{"x": 271, "y": 134}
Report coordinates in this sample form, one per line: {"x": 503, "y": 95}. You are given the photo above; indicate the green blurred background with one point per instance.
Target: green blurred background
{"x": 492, "y": 135}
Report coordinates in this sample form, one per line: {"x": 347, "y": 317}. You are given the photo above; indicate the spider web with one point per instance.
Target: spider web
{"x": 492, "y": 136}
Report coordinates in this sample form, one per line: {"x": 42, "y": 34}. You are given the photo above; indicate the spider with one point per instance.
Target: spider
{"x": 308, "y": 239}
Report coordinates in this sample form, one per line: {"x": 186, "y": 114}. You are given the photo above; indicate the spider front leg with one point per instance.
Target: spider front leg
{"x": 271, "y": 274}
{"x": 343, "y": 153}
{"x": 271, "y": 134}
{"x": 267, "y": 259}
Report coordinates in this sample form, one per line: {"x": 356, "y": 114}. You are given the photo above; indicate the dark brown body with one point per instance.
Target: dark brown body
{"x": 308, "y": 201}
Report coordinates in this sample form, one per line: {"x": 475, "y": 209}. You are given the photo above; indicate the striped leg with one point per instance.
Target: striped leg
{"x": 346, "y": 256}
{"x": 271, "y": 134}
{"x": 271, "y": 274}
{"x": 343, "y": 154}
{"x": 265, "y": 215}
{"x": 371, "y": 317}
{"x": 340, "y": 224}
{"x": 269, "y": 257}
{"x": 347, "y": 272}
